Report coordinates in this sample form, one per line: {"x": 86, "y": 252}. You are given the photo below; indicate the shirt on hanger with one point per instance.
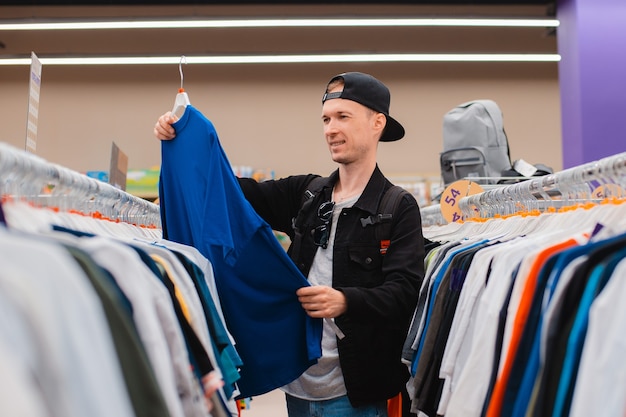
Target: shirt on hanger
{"x": 203, "y": 206}
{"x": 54, "y": 327}
{"x": 521, "y": 315}
{"x": 522, "y": 395}
{"x": 472, "y": 376}
{"x": 602, "y": 369}
{"x": 562, "y": 327}
{"x": 143, "y": 389}
{"x": 456, "y": 352}
{"x": 432, "y": 296}
{"x": 427, "y": 380}
{"x": 154, "y": 313}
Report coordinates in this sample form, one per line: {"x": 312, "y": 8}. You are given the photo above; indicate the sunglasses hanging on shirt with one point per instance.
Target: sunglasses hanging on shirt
{"x": 321, "y": 233}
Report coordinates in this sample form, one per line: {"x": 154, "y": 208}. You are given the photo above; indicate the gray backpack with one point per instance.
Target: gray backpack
{"x": 474, "y": 143}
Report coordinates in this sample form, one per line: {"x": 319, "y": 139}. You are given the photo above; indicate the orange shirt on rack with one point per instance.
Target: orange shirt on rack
{"x": 528, "y": 293}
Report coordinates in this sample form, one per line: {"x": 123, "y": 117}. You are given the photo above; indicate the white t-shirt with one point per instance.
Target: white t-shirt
{"x": 324, "y": 380}
{"x": 472, "y": 377}
{"x": 602, "y": 371}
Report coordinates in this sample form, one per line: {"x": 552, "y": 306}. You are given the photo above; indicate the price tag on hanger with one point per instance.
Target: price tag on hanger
{"x": 607, "y": 191}
{"x": 453, "y": 194}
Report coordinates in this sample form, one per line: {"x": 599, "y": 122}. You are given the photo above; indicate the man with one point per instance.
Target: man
{"x": 364, "y": 287}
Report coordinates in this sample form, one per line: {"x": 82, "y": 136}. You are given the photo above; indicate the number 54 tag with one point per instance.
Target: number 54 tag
{"x": 452, "y": 195}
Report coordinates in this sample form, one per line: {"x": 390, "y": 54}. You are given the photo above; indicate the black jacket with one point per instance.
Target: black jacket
{"x": 381, "y": 290}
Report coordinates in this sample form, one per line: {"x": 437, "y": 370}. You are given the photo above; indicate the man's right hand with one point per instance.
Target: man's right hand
{"x": 163, "y": 129}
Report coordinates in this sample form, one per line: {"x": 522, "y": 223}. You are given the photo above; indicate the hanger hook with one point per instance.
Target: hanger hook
{"x": 180, "y": 69}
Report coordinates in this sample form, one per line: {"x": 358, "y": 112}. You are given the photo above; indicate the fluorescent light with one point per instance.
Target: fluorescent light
{"x": 287, "y": 59}
{"x": 273, "y": 23}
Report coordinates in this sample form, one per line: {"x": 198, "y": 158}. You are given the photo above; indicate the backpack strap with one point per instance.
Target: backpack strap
{"x": 388, "y": 205}
{"x": 307, "y": 198}
{"x": 313, "y": 188}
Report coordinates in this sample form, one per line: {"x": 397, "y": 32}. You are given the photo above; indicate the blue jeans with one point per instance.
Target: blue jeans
{"x": 337, "y": 407}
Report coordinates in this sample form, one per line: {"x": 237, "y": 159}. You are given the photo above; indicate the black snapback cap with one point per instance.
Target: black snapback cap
{"x": 370, "y": 92}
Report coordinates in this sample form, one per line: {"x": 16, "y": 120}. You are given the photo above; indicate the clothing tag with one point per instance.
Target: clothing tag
{"x": 601, "y": 232}
{"x": 524, "y": 168}
{"x": 243, "y": 403}
{"x": 384, "y": 245}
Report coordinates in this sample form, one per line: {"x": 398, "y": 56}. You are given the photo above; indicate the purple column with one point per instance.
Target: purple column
{"x": 592, "y": 78}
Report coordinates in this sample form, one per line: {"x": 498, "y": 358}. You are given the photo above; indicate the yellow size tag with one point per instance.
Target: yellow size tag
{"x": 452, "y": 195}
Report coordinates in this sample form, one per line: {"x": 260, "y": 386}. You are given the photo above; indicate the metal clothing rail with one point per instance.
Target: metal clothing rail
{"x": 588, "y": 183}
{"x": 27, "y": 177}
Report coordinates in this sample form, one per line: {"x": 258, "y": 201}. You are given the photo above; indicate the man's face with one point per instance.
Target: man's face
{"x": 351, "y": 130}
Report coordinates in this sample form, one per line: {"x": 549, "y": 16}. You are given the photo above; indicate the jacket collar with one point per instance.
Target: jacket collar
{"x": 371, "y": 196}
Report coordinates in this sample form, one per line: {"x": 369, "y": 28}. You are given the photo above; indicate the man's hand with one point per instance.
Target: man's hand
{"x": 321, "y": 301}
{"x": 163, "y": 129}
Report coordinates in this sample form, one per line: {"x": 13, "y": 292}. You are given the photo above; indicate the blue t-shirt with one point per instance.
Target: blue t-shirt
{"x": 203, "y": 206}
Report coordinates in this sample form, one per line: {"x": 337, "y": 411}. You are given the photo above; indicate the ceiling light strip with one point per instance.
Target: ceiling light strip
{"x": 288, "y": 59}
{"x": 274, "y": 23}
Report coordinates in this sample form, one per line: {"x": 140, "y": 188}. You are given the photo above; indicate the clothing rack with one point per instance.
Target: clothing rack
{"x": 29, "y": 178}
{"x": 592, "y": 182}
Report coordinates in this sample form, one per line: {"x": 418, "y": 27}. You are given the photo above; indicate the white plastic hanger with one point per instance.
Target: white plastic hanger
{"x": 182, "y": 99}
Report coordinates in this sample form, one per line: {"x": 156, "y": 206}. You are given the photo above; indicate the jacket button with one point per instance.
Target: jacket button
{"x": 368, "y": 260}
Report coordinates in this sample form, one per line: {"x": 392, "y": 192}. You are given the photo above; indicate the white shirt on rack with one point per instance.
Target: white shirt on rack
{"x": 472, "y": 377}
{"x": 58, "y": 331}
{"x": 156, "y": 322}
{"x": 602, "y": 371}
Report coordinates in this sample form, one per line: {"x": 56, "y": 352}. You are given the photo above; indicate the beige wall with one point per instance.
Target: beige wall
{"x": 268, "y": 116}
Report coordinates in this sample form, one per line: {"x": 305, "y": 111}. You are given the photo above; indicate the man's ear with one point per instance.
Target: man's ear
{"x": 380, "y": 122}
